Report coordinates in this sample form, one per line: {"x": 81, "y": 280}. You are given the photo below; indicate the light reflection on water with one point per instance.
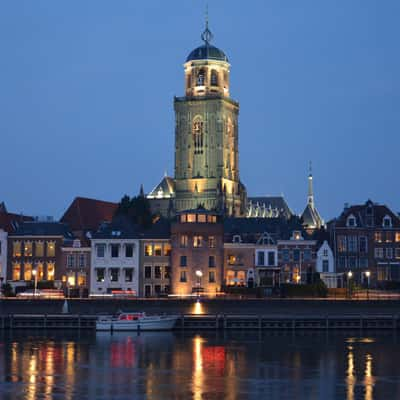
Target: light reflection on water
{"x": 233, "y": 365}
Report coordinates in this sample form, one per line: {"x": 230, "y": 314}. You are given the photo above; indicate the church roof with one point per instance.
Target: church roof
{"x": 311, "y": 217}
{"x": 164, "y": 190}
{"x": 268, "y": 207}
{"x": 207, "y": 52}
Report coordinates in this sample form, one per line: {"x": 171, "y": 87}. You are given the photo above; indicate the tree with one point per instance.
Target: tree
{"x": 137, "y": 209}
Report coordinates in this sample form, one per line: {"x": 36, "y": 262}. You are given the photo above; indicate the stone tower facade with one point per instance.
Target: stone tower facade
{"x": 206, "y": 136}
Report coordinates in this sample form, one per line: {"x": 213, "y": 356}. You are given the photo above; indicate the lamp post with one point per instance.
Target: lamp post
{"x": 34, "y": 272}
{"x": 367, "y": 274}
{"x": 199, "y": 274}
{"x": 349, "y": 275}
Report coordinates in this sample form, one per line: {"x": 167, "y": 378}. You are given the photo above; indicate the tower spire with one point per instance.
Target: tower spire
{"x": 206, "y": 36}
{"x": 310, "y": 187}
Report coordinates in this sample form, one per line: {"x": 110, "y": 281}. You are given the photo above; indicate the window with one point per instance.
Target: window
{"x": 183, "y": 261}
{"x": 398, "y": 252}
{"x": 260, "y": 258}
{"x": 157, "y": 250}
{"x": 183, "y": 218}
{"x": 211, "y": 261}
{"x": 191, "y": 218}
{"x": 17, "y": 250}
{"x": 28, "y": 249}
{"x": 148, "y": 250}
{"x": 147, "y": 272}
{"x": 211, "y": 242}
{"x": 167, "y": 289}
{"x": 351, "y": 221}
{"x": 342, "y": 262}
{"x": 197, "y": 139}
{"x": 352, "y": 244}
{"x": 100, "y": 250}
{"x": 214, "y": 78}
{"x": 167, "y": 249}
{"x": 197, "y": 241}
{"x": 389, "y": 253}
{"x": 271, "y": 258}
{"x": 397, "y": 237}
{"x": 50, "y": 271}
{"x": 237, "y": 239}
{"x": 81, "y": 278}
{"x": 70, "y": 260}
{"x": 114, "y": 274}
{"x": 325, "y": 266}
{"x": 363, "y": 244}
{"x": 201, "y": 218}
{"x": 387, "y": 222}
{"x": 129, "y": 250}
{"x": 378, "y": 237}
{"x": 147, "y": 290}
{"x": 296, "y": 255}
{"x": 128, "y": 274}
{"x": 388, "y": 237}
{"x": 115, "y": 250}
{"x": 157, "y": 289}
{"x": 211, "y": 277}
{"x": 342, "y": 244}
{"x": 200, "y": 78}
{"x": 212, "y": 219}
{"x": 157, "y": 272}
{"x": 16, "y": 274}
{"x": 183, "y": 276}
{"x": 82, "y": 261}
{"x": 28, "y": 271}
{"x": 325, "y": 253}
{"x": 307, "y": 255}
{"x": 363, "y": 262}
{"x": 189, "y": 84}
{"x": 285, "y": 255}
{"x": 167, "y": 272}
{"x": 100, "y": 273}
{"x": 378, "y": 252}
{"x": 40, "y": 271}
{"x": 51, "y": 249}
{"x": 352, "y": 262}
{"x": 184, "y": 241}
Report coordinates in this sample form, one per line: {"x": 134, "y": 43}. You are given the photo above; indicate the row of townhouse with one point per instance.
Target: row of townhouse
{"x": 90, "y": 252}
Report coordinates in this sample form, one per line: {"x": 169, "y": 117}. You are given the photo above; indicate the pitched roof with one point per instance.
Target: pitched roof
{"x": 87, "y": 214}
{"x": 164, "y": 190}
{"x": 33, "y": 228}
{"x": 268, "y": 206}
{"x": 119, "y": 228}
{"x": 311, "y": 217}
{"x": 9, "y": 221}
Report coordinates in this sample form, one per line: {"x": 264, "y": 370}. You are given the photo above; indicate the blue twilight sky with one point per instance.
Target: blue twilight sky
{"x": 87, "y": 86}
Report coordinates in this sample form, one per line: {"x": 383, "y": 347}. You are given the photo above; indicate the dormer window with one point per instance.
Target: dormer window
{"x": 387, "y": 221}
{"x": 351, "y": 221}
{"x": 237, "y": 239}
{"x": 296, "y": 235}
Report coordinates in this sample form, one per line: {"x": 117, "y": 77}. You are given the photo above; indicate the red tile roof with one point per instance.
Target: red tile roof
{"x": 9, "y": 221}
{"x": 87, "y": 214}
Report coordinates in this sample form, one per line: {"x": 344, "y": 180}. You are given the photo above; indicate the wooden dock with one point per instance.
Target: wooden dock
{"x": 193, "y": 322}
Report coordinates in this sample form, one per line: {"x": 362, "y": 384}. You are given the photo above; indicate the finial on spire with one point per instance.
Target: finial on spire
{"x": 310, "y": 187}
{"x": 310, "y": 168}
{"x": 207, "y": 36}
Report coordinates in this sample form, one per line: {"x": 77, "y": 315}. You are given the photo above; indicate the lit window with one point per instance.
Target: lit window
{"x": 51, "y": 249}
{"x": 230, "y": 278}
{"x": 17, "y": 249}
{"x": 71, "y": 279}
{"x": 378, "y": 237}
{"x": 211, "y": 242}
{"x": 39, "y": 249}
{"x": 40, "y": 271}
{"x": 16, "y": 272}
{"x": 50, "y": 271}
{"x": 197, "y": 241}
{"x": 28, "y": 271}
{"x": 148, "y": 250}
{"x": 183, "y": 276}
{"x": 231, "y": 259}
{"x": 201, "y": 218}
{"x": 184, "y": 241}
{"x": 183, "y": 218}
{"x": 397, "y": 237}
{"x": 81, "y": 278}
{"x": 28, "y": 249}
{"x": 167, "y": 249}
{"x": 191, "y": 218}
{"x": 157, "y": 250}
{"x": 197, "y": 139}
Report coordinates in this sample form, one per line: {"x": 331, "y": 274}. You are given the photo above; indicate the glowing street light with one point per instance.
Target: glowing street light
{"x": 199, "y": 274}
{"x": 367, "y": 274}
{"x": 34, "y": 273}
{"x": 349, "y": 276}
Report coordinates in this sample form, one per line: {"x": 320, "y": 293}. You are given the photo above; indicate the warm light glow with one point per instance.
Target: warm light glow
{"x": 199, "y": 273}
{"x": 351, "y": 374}
{"x": 349, "y": 274}
{"x": 198, "y": 374}
{"x": 367, "y": 274}
{"x": 198, "y": 308}
{"x": 369, "y": 380}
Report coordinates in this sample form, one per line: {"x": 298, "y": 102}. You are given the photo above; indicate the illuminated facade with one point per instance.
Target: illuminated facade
{"x": 206, "y": 136}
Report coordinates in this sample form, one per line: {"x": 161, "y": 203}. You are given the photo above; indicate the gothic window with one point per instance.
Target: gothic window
{"x": 189, "y": 81}
{"x": 201, "y": 78}
{"x": 198, "y": 127}
{"x": 214, "y": 78}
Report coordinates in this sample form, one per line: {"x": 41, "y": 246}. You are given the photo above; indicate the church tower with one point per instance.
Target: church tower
{"x": 206, "y": 135}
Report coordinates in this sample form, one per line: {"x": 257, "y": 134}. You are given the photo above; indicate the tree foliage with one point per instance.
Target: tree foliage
{"x": 137, "y": 209}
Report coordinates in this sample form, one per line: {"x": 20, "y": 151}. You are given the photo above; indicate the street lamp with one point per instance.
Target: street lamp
{"x": 199, "y": 274}
{"x": 34, "y": 272}
{"x": 367, "y": 274}
{"x": 349, "y": 275}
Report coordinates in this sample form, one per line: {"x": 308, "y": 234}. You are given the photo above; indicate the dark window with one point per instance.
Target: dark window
{"x": 325, "y": 266}
{"x": 260, "y": 258}
{"x": 183, "y": 276}
{"x": 147, "y": 272}
{"x": 363, "y": 244}
{"x": 214, "y": 78}
{"x": 200, "y": 78}
{"x": 101, "y": 248}
{"x": 167, "y": 272}
{"x": 211, "y": 276}
{"x": 167, "y": 289}
{"x": 114, "y": 274}
{"x": 114, "y": 250}
{"x": 128, "y": 274}
{"x": 342, "y": 262}
{"x": 296, "y": 255}
{"x": 129, "y": 250}
{"x": 157, "y": 272}
{"x": 211, "y": 261}
{"x": 271, "y": 258}
{"x": 285, "y": 255}
{"x": 352, "y": 262}
{"x": 157, "y": 289}
{"x": 183, "y": 261}
{"x": 211, "y": 242}
{"x": 147, "y": 290}
{"x": 307, "y": 255}
{"x": 100, "y": 274}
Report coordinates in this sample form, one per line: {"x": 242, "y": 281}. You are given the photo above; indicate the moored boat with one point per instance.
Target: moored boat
{"x": 135, "y": 321}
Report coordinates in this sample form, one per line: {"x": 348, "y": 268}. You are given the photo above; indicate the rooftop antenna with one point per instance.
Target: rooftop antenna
{"x": 207, "y": 36}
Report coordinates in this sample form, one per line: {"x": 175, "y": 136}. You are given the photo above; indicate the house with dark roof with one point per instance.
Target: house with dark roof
{"x": 366, "y": 242}
{"x": 35, "y": 248}
{"x": 268, "y": 207}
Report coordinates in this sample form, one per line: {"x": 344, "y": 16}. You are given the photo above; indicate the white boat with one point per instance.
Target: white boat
{"x": 139, "y": 321}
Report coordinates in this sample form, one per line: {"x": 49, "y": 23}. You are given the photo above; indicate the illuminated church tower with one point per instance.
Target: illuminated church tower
{"x": 206, "y": 135}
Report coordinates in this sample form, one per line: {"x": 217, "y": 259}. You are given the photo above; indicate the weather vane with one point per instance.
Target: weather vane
{"x": 207, "y": 36}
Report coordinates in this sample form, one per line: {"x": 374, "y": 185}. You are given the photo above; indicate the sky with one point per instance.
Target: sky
{"x": 87, "y": 87}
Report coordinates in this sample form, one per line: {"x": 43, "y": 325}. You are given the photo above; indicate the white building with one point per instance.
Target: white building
{"x": 325, "y": 266}
{"x": 3, "y": 255}
{"x": 114, "y": 262}
{"x": 266, "y": 261}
